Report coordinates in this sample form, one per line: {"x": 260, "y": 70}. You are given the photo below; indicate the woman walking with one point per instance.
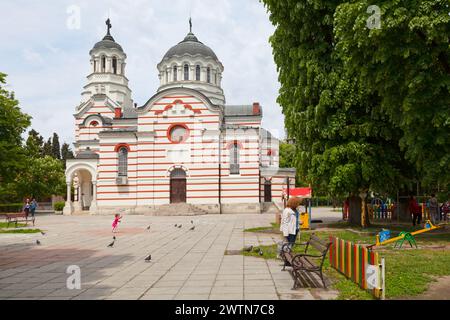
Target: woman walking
{"x": 26, "y": 207}
{"x": 415, "y": 210}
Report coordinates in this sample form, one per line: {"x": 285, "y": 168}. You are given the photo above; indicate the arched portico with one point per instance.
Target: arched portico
{"x": 83, "y": 177}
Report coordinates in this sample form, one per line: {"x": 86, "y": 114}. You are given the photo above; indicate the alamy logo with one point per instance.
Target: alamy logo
{"x": 74, "y": 280}
{"x": 374, "y": 20}
{"x": 74, "y": 19}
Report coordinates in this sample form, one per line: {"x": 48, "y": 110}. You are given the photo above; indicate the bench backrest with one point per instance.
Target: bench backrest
{"x": 16, "y": 215}
{"x": 319, "y": 245}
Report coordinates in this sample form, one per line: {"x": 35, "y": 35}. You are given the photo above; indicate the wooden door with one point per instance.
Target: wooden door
{"x": 267, "y": 191}
{"x": 178, "y": 186}
{"x": 178, "y": 191}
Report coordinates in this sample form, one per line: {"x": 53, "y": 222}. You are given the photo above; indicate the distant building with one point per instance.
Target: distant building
{"x": 184, "y": 145}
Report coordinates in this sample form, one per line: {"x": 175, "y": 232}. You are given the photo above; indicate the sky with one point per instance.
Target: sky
{"x": 45, "y": 51}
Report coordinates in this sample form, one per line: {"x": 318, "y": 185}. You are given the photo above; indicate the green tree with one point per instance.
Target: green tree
{"x": 345, "y": 144}
{"x": 42, "y": 178}
{"x": 34, "y": 144}
{"x": 13, "y": 122}
{"x": 56, "y": 148}
{"x": 406, "y": 64}
{"x": 66, "y": 153}
{"x": 47, "y": 149}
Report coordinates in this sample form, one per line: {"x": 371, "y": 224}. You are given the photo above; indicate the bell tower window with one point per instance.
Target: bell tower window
{"x": 175, "y": 71}
{"x": 103, "y": 64}
{"x": 114, "y": 65}
{"x": 208, "y": 75}
{"x": 197, "y": 73}
{"x": 186, "y": 72}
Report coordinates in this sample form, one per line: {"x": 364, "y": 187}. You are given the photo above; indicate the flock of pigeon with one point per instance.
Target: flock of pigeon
{"x": 149, "y": 257}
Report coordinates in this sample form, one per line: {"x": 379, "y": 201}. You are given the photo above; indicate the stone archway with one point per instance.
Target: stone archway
{"x": 83, "y": 178}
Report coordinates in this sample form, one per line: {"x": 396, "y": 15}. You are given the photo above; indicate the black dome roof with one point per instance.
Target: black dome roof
{"x": 190, "y": 45}
{"x": 108, "y": 43}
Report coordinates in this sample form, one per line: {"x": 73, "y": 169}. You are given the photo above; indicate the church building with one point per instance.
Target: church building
{"x": 184, "y": 151}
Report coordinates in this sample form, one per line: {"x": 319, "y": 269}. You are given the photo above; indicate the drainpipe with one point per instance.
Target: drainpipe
{"x": 220, "y": 166}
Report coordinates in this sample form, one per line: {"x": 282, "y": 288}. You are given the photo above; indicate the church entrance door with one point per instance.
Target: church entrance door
{"x": 267, "y": 191}
{"x": 178, "y": 186}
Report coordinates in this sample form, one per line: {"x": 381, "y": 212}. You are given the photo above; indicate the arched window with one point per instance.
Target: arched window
{"x": 215, "y": 78}
{"x": 114, "y": 65}
{"x": 175, "y": 71}
{"x": 186, "y": 72}
{"x": 103, "y": 64}
{"x": 197, "y": 73}
{"x": 123, "y": 162}
{"x": 208, "y": 75}
{"x": 95, "y": 65}
{"x": 234, "y": 159}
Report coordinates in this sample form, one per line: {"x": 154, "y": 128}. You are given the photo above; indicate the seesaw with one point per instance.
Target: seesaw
{"x": 383, "y": 237}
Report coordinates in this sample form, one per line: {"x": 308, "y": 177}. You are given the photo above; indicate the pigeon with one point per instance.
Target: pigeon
{"x": 38, "y": 242}
{"x": 261, "y": 252}
{"x": 148, "y": 258}
{"x": 148, "y": 228}
{"x": 180, "y": 226}
{"x": 114, "y": 237}
{"x": 111, "y": 244}
{"x": 192, "y": 229}
{"x": 248, "y": 249}
{"x": 176, "y": 225}
{"x": 43, "y": 233}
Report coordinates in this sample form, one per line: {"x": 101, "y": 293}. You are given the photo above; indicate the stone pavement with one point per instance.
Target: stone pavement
{"x": 185, "y": 264}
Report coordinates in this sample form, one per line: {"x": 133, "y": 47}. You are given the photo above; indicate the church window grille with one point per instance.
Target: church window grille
{"x": 234, "y": 159}
{"x": 123, "y": 162}
{"x": 208, "y": 75}
{"x": 175, "y": 71}
{"x": 103, "y": 64}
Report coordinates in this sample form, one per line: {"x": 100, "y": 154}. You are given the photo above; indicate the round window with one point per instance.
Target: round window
{"x": 178, "y": 134}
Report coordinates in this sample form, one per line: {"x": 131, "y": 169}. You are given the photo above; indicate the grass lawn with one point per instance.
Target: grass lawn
{"x": 12, "y": 228}
{"x": 408, "y": 271}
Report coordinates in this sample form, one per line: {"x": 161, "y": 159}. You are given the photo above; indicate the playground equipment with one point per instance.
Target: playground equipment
{"x": 303, "y": 193}
{"x": 383, "y": 237}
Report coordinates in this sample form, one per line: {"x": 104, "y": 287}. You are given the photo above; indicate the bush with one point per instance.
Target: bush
{"x": 11, "y": 207}
{"x": 59, "y": 206}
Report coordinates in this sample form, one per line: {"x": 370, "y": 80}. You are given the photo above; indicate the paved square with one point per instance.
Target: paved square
{"x": 185, "y": 264}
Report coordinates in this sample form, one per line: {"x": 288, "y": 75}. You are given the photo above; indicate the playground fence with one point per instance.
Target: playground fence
{"x": 359, "y": 264}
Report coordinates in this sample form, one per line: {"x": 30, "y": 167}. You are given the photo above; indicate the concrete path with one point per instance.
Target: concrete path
{"x": 185, "y": 264}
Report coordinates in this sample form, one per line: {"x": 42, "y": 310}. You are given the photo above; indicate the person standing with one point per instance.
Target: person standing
{"x": 434, "y": 209}
{"x": 346, "y": 209}
{"x": 26, "y": 207}
{"x": 33, "y": 207}
{"x": 415, "y": 210}
{"x": 289, "y": 221}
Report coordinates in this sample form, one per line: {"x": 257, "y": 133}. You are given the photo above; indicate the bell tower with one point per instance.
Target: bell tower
{"x": 108, "y": 62}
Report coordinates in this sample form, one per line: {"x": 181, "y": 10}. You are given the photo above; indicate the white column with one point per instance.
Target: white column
{"x": 93, "y": 207}
{"x": 68, "y": 209}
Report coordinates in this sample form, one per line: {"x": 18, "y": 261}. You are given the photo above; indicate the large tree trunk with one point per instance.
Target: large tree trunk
{"x": 356, "y": 212}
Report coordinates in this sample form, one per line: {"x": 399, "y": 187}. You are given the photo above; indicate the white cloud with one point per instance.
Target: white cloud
{"x": 57, "y": 58}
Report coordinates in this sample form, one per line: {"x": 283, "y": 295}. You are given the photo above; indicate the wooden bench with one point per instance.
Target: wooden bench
{"x": 305, "y": 262}
{"x": 18, "y": 217}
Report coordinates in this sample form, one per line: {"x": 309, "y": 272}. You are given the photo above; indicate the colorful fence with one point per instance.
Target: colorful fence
{"x": 352, "y": 261}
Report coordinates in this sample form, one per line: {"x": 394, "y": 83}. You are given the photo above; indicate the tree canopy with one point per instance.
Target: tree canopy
{"x": 368, "y": 108}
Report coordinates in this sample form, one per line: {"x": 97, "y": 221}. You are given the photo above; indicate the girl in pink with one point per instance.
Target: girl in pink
{"x": 116, "y": 221}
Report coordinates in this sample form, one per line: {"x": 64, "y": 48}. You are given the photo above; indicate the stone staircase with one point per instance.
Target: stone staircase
{"x": 175, "y": 209}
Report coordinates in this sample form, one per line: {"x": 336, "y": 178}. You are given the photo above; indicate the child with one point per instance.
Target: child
{"x": 116, "y": 221}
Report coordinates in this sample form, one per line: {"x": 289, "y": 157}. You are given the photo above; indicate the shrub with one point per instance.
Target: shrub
{"x": 59, "y": 206}
{"x": 11, "y": 207}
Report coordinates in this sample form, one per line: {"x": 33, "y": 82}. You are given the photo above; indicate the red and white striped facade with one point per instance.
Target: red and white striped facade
{"x": 105, "y": 127}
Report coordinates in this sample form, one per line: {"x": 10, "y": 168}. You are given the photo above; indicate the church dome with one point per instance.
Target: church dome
{"x": 108, "y": 41}
{"x": 190, "y": 46}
